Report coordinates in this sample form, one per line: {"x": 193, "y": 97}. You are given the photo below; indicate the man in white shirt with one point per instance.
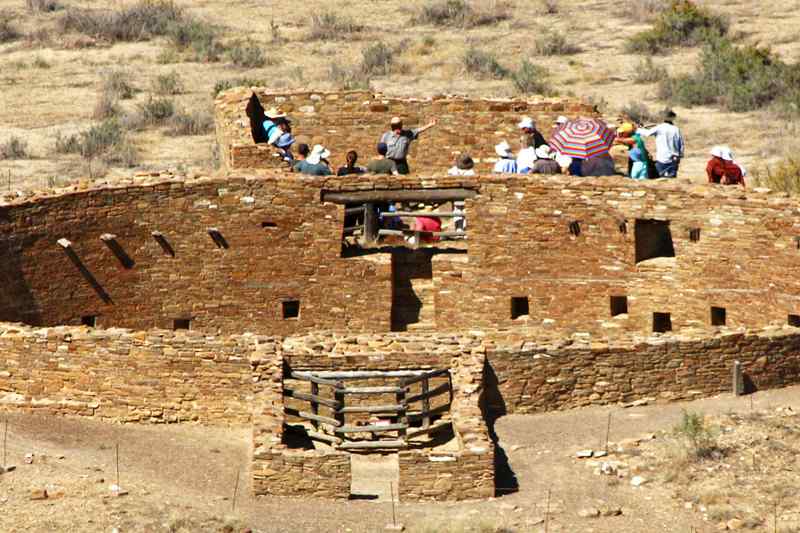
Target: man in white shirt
{"x": 669, "y": 145}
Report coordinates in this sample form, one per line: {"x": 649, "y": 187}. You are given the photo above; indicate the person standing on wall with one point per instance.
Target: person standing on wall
{"x": 669, "y": 145}
{"x": 398, "y": 142}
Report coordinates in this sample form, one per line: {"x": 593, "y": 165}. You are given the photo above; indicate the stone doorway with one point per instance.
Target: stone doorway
{"x": 413, "y": 291}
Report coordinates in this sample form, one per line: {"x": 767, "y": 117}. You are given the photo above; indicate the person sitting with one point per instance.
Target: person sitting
{"x": 313, "y": 162}
{"x": 599, "y": 165}
{"x": 507, "y": 164}
{"x": 464, "y": 166}
{"x": 565, "y": 163}
{"x": 526, "y": 158}
{"x": 722, "y": 169}
{"x": 427, "y": 224}
{"x": 545, "y": 164}
{"x": 350, "y": 165}
{"x": 530, "y": 135}
{"x": 559, "y": 123}
{"x": 398, "y": 142}
{"x": 382, "y": 164}
{"x": 278, "y": 132}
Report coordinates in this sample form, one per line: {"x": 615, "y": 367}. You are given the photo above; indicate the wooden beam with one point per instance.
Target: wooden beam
{"x": 308, "y": 376}
{"x": 426, "y": 394}
{"x": 311, "y": 398}
{"x": 374, "y": 428}
{"x": 430, "y": 429}
{"x": 400, "y": 232}
{"x": 426, "y": 375}
{"x": 324, "y": 437}
{"x": 373, "y": 444}
{"x": 311, "y": 416}
{"x": 362, "y": 374}
{"x": 371, "y": 390}
{"x": 437, "y": 214}
{"x": 398, "y": 195}
{"x": 371, "y": 409}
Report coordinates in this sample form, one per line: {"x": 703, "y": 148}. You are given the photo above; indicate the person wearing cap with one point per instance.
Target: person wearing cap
{"x": 313, "y": 162}
{"x": 545, "y": 162}
{"x": 382, "y": 164}
{"x": 531, "y": 137}
{"x": 464, "y": 166}
{"x": 398, "y": 142}
{"x": 638, "y": 157}
{"x": 722, "y": 169}
{"x": 669, "y": 144}
{"x": 507, "y": 164}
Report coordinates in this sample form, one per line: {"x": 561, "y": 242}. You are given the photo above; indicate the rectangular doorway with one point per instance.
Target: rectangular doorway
{"x": 412, "y": 290}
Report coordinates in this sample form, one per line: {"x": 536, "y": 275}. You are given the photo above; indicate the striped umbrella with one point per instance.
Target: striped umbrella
{"x": 583, "y": 138}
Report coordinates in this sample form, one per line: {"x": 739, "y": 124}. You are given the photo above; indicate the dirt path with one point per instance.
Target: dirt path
{"x": 181, "y": 478}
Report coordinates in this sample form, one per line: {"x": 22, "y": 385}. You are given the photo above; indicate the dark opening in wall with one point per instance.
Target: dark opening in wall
{"x": 181, "y": 323}
{"x": 619, "y": 305}
{"x": 694, "y": 234}
{"x": 519, "y": 307}
{"x": 794, "y": 321}
{"x": 89, "y": 320}
{"x": 623, "y": 226}
{"x": 218, "y": 238}
{"x": 653, "y": 239}
{"x": 575, "y": 228}
{"x": 255, "y": 112}
{"x": 718, "y": 316}
{"x": 269, "y": 225}
{"x": 290, "y": 309}
{"x": 662, "y": 322}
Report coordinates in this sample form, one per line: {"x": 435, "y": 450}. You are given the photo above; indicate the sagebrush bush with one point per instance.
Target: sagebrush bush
{"x": 348, "y": 78}
{"x": 14, "y": 148}
{"x": 683, "y": 23}
{"x": 224, "y": 85}
{"x": 190, "y": 123}
{"x": 531, "y": 79}
{"x": 329, "y": 26}
{"x": 701, "y": 439}
{"x": 649, "y": 72}
{"x": 737, "y": 78}
{"x": 785, "y": 176}
{"x": 168, "y": 84}
{"x": 107, "y": 105}
{"x": 247, "y": 54}
{"x": 117, "y": 82}
{"x": 198, "y": 39}
{"x": 8, "y": 32}
{"x": 483, "y": 64}
{"x": 462, "y": 14}
{"x": 639, "y": 113}
{"x": 43, "y": 6}
{"x": 377, "y": 59}
{"x": 141, "y": 21}
{"x": 106, "y": 140}
{"x": 156, "y": 111}
{"x": 554, "y": 44}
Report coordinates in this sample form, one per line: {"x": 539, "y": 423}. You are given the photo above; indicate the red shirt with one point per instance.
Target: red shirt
{"x": 724, "y": 172}
{"x": 428, "y": 224}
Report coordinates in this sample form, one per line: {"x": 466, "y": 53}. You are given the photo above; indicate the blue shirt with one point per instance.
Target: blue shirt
{"x": 304, "y": 167}
{"x": 505, "y": 166}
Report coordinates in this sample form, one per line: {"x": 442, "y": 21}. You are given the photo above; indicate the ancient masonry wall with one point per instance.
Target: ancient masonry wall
{"x": 355, "y": 120}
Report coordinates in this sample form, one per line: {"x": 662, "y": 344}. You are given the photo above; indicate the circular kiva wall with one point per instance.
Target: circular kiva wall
{"x": 264, "y": 255}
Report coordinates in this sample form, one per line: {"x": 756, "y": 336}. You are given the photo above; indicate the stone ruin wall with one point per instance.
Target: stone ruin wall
{"x": 355, "y": 120}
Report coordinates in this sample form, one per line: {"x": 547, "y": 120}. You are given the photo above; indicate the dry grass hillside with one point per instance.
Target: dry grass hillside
{"x": 60, "y": 74}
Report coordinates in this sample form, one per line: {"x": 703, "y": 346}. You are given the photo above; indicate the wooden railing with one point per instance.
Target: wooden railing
{"x": 410, "y": 416}
{"x": 371, "y": 225}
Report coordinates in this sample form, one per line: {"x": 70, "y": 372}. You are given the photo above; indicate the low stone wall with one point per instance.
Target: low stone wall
{"x": 307, "y": 473}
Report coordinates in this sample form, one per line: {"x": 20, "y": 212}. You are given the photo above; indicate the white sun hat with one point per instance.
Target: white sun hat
{"x": 718, "y": 151}
{"x": 544, "y": 152}
{"x": 526, "y": 123}
{"x": 503, "y": 149}
{"x": 317, "y": 154}
{"x": 563, "y": 161}
{"x": 561, "y": 120}
{"x": 727, "y": 153}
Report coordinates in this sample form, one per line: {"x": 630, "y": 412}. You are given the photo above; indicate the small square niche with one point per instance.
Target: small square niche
{"x": 794, "y": 321}
{"x": 181, "y": 323}
{"x": 718, "y": 316}
{"x": 619, "y": 305}
{"x": 290, "y": 309}
{"x": 520, "y": 307}
{"x": 89, "y": 320}
{"x": 662, "y": 322}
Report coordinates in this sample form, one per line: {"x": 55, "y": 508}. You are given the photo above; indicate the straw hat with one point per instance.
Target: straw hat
{"x": 274, "y": 112}
{"x": 503, "y": 149}
{"x": 544, "y": 152}
{"x": 561, "y": 120}
{"x": 317, "y": 154}
{"x": 526, "y": 123}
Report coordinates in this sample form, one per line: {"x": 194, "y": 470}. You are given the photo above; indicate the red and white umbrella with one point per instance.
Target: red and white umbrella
{"x": 583, "y": 138}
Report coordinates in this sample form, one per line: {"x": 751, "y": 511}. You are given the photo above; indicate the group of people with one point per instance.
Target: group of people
{"x": 535, "y": 156}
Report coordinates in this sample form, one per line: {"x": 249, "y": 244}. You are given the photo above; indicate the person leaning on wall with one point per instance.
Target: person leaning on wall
{"x": 398, "y": 142}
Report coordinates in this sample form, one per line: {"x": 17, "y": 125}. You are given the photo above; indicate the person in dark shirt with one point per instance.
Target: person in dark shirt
{"x": 531, "y": 137}
{"x": 313, "y": 162}
{"x": 350, "y": 165}
{"x": 382, "y": 164}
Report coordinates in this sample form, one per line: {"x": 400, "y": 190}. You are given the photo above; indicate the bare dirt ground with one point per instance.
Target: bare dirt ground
{"x": 182, "y": 478}
{"x": 50, "y": 88}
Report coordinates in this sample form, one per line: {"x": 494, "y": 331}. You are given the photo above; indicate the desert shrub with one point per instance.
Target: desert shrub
{"x": 376, "y": 59}
{"x": 554, "y": 44}
{"x": 8, "y": 32}
{"x": 40, "y": 62}
{"x": 683, "y": 23}
{"x": 531, "y": 79}
{"x": 649, "y": 72}
{"x": 156, "y": 111}
{"x": 196, "y": 38}
{"x": 348, "y": 78}
{"x": 700, "y": 438}
{"x": 462, "y": 14}
{"x": 168, "y": 84}
{"x": 549, "y": 7}
{"x": 639, "y": 113}
{"x": 190, "y": 123}
{"x": 329, "y": 26}
{"x": 224, "y": 85}
{"x": 247, "y": 55}
{"x": 123, "y": 154}
{"x": 737, "y": 78}
{"x": 116, "y": 82}
{"x": 106, "y": 141}
{"x": 107, "y": 105}
{"x": 140, "y": 21}
{"x": 43, "y": 6}
{"x": 645, "y": 10}
{"x": 483, "y": 64}
{"x": 14, "y": 148}
{"x": 785, "y": 176}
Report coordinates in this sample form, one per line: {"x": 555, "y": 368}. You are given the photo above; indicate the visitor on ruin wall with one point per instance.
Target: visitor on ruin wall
{"x": 597, "y": 166}
{"x": 398, "y": 142}
{"x": 382, "y": 164}
{"x": 278, "y": 132}
{"x": 507, "y": 164}
{"x": 530, "y": 135}
{"x": 545, "y": 162}
{"x": 722, "y": 169}
{"x": 526, "y": 158}
{"x": 350, "y": 166}
{"x": 312, "y": 162}
{"x": 639, "y": 162}
{"x": 464, "y": 166}
{"x": 669, "y": 145}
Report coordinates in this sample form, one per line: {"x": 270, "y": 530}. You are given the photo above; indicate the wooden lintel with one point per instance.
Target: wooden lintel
{"x": 398, "y": 195}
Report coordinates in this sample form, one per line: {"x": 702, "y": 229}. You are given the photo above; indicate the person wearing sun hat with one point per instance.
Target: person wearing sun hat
{"x": 669, "y": 144}
{"x": 315, "y": 163}
{"x": 530, "y": 135}
{"x": 639, "y": 161}
{"x": 398, "y": 142}
{"x": 722, "y": 169}
{"x": 507, "y": 164}
{"x": 545, "y": 162}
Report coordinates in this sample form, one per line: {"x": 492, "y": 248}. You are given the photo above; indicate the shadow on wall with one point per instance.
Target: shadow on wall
{"x": 493, "y": 407}
{"x": 255, "y": 112}
{"x": 17, "y": 303}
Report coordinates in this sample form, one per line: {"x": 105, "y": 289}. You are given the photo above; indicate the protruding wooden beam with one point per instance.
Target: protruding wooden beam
{"x": 218, "y": 238}
{"x": 163, "y": 242}
{"x": 64, "y": 243}
{"x": 111, "y": 241}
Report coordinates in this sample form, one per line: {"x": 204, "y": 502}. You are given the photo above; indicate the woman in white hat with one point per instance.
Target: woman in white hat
{"x": 530, "y": 135}
{"x": 546, "y": 163}
{"x": 722, "y": 169}
{"x": 315, "y": 163}
{"x": 507, "y": 164}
